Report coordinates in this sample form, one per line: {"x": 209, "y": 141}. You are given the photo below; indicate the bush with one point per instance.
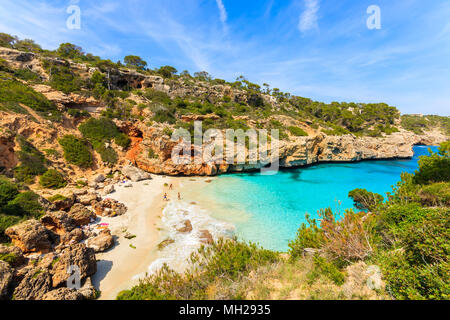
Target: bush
{"x": 32, "y": 161}
{"x": 152, "y": 154}
{"x": 7, "y": 221}
{"x": 12, "y": 91}
{"x": 8, "y": 191}
{"x": 329, "y": 270}
{"x": 52, "y": 179}
{"x": 298, "y": 132}
{"x": 76, "y": 151}
{"x": 223, "y": 262}
{"x": 365, "y": 200}
{"x": 123, "y": 140}
{"x": 26, "y": 204}
{"x": 308, "y": 236}
{"x": 107, "y": 154}
{"x": 434, "y": 168}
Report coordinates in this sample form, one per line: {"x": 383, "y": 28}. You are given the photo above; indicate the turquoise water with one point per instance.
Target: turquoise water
{"x": 269, "y": 209}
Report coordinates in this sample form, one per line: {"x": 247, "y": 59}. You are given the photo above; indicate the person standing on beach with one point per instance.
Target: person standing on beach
{"x": 179, "y": 196}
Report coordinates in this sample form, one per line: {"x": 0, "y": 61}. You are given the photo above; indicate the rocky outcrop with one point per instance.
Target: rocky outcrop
{"x": 88, "y": 199}
{"x": 296, "y": 152}
{"x": 109, "y": 208}
{"x": 34, "y": 285}
{"x": 30, "y": 236}
{"x": 206, "y": 237}
{"x": 13, "y": 255}
{"x": 8, "y": 158}
{"x": 102, "y": 242}
{"x": 186, "y": 228}
{"x": 135, "y": 174}
{"x": 63, "y": 294}
{"x": 76, "y": 255}
{"x": 6, "y": 277}
{"x": 81, "y": 215}
{"x": 59, "y": 222}
{"x": 72, "y": 237}
{"x": 363, "y": 281}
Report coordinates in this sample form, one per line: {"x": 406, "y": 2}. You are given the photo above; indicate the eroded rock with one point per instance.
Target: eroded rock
{"x": 81, "y": 215}
{"x": 34, "y": 285}
{"x": 135, "y": 174}
{"x": 59, "y": 222}
{"x": 102, "y": 242}
{"x": 6, "y": 277}
{"x": 63, "y": 294}
{"x": 30, "y": 236}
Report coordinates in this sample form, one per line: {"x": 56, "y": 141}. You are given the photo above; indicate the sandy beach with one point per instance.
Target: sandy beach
{"x": 129, "y": 257}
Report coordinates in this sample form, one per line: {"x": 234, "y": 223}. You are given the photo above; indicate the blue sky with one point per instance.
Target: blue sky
{"x": 321, "y": 49}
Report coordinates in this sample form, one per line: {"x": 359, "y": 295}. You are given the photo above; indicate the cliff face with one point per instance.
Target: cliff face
{"x": 299, "y": 152}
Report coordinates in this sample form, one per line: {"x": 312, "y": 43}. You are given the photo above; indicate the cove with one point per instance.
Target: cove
{"x": 268, "y": 210}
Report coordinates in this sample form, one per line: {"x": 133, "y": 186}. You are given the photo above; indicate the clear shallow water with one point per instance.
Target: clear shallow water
{"x": 269, "y": 209}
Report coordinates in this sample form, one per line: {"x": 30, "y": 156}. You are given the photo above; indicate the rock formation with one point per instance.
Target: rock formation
{"x": 30, "y": 236}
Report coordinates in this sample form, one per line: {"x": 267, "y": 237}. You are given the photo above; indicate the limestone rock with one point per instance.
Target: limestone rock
{"x": 76, "y": 255}
{"x": 108, "y": 190}
{"x": 363, "y": 281}
{"x": 135, "y": 174}
{"x": 6, "y": 276}
{"x": 88, "y": 291}
{"x": 206, "y": 237}
{"x": 102, "y": 242}
{"x": 81, "y": 215}
{"x": 59, "y": 222}
{"x": 64, "y": 204}
{"x": 63, "y": 294}
{"x": 74, "y": 236}
{"x": 100, "y": 178}
{"x": 34, "y": 285}
{"x": 109, "y": 208}
{"x": 87, "y": 199}
{"x": 187, "y": 227}
{"x": 30, "y": 236}
{"x": 13, "y": 255}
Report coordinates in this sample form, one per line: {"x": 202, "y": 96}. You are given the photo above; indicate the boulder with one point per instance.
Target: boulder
{"x": 59, "y": 222}
{"x": 108, "y": 190}
{"x": 206, "y": 237}
{"x": 76, "y": 255}
{"x": 102, "y": 242}
{"x": 88, "y": 198}
{"x": 187, "y": 227}
{"x": 12, "y": 255}
{"x": 64, "y": 203}
{"x": 34, "y": 285}
{"x": 135, "y": 174}
{"x": 30, "y": 236}
{"x": 63, "y": 294}
{"x": 81, "y": 215}
{"x": 74, "y": 236}
{"x": 100, "y": 178}
{"x": 109, "y": 208}
{"x": 88, "y": 291}
{"x": 6, "y": 276}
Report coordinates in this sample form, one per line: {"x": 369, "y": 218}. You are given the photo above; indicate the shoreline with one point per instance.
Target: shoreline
{"x": 129, "y": 257}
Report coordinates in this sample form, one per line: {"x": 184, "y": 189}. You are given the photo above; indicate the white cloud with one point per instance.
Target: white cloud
{"x": 308, "y": 19}
{"x": 223, "y": 14}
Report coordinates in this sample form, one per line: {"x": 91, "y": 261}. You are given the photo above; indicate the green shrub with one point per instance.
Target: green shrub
{"x": 298, "y": 132}
{"x": 52, "y": 179}
{"x": 12, "y": 91}
{"x": 32, "y": 161}
{"x": 365, "y": 200}
{"x": 329, "y": 270}
{"x": 152, "y": 154}
{"x": 57, "y": 197}
{"x": 107, "y": 154}
{"x": 122, "y": 140}
{"x": 8, "y": 191}
{"x": 27, "y": 75}
{"x": 76, "y": 151}
{"x": 223, "y": 262}
{"x": 308, "y": 236}
{"x": 7, "y": 221}
{"x": 98, "y": 131}
{"x": 26, "y": 204}
{"x": 78, "y": 114}
{"x": 434, "y": 168}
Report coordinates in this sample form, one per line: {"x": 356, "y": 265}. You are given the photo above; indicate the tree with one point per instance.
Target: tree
{"x": 203, "y": 75}
{"x": 365, "y": 200}
{"x": 7, "y": 40}
{"x": 27, "y": 45}
{"x": 70, "y": 51}
{"x": 135, "y": 62}
{"x": 167, "y": 71}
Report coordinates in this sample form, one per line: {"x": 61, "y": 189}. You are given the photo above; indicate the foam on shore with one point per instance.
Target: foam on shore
{"x": 176, "y": 255}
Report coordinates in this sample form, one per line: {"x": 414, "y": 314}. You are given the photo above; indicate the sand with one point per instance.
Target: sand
{"x": 130, "y": 257}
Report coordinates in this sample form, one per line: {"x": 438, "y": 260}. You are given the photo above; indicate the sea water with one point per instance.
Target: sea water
{"x": 268, "y": 210}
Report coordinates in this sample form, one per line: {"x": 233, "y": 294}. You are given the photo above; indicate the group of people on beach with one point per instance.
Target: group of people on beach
{"x": 166, "y": 198}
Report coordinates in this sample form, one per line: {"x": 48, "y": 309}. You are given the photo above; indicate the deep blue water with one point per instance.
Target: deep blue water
{"x": 269, "y": 209}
